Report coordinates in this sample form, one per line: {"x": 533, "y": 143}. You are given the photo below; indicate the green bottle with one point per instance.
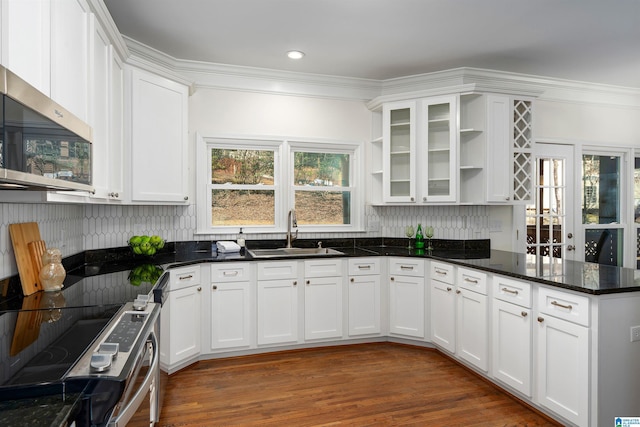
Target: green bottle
{"x": 419, "y": 238}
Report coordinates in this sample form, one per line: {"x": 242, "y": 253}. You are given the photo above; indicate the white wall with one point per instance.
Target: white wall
{"x": 587, "y": 123}
{"x": 213, "y": 111}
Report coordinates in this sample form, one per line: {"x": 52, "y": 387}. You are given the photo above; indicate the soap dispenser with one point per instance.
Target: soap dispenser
{"x": 240, "y": 240}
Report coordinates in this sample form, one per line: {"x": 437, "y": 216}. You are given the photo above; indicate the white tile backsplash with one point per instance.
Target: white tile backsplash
{"x": 74, "y": 228}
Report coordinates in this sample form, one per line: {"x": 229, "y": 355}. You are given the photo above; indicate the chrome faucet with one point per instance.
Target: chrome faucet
{"x": 292, "y": 222}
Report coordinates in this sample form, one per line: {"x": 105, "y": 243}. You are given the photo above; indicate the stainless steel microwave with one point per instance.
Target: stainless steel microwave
{"x": 42, "y": 145}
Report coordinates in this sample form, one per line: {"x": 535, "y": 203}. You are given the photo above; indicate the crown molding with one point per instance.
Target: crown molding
{"x": 100, "y": 11}
{"x": 375, "y": 92}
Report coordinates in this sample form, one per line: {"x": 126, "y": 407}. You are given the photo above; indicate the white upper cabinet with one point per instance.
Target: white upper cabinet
{"x": 495, "y": 149}
{"x": 46, "y": 43}
{"x": 156, "y": 122}
{"x": 69, "y": 56}
{"x": 399, "y": 152}
{"x": 438, "y": 142}
{"x": 25, "y": 33}
{"x": 462, "y": 148}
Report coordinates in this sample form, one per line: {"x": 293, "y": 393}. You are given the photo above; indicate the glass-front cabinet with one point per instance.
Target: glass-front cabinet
{"x": 399, "y": 152}
{"x": 439, "y": 141}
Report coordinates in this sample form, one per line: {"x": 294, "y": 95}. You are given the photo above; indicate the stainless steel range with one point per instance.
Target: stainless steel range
{"x": 96, "y": 341}
{"x": 124, "y": 361}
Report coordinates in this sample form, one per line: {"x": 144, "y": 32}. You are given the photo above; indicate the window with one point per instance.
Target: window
{"x": 240, "y": 181}
{"x": 322, "y": 194}
{"x": 601, "y": 209}
{"x": 251, "y": 184}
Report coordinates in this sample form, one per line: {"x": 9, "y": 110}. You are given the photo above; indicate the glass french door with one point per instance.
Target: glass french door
{"x": 549, "y": 219}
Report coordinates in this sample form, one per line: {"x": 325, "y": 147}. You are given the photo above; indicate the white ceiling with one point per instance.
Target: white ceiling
{"x": 585, "y": 40}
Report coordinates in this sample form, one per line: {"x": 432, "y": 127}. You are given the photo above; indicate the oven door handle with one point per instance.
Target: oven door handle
{"x": 132, "y": 406}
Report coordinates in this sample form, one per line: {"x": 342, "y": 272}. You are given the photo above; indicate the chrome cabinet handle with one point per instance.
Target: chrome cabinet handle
{"x": 364, "y": 267}
{"x": 557, "y": 304}
{"x": 199, "y": 288}
{"x": 524, "y": 314}
{"x": 448, "y": 289}
{"x": 441, "y": 272}
{"x": 458, "y": 291}
{"x": 475, "y": 281}
{"x": 230, "y": 273}
{"x": 510, "y": 291}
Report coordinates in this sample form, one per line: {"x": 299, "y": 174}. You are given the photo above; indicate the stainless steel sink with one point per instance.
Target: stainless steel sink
{"x": 285, "y": 252}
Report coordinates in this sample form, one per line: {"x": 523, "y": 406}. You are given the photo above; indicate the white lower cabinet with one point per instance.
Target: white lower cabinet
{"x": 181, "y": 318}
{"x": 323, "y": 298}
{"x": 277, "y": 302}
{"x": 406, "y": 297}
{"x": 364, "y": 296}
{"x": 459, "y": 313}
{"x": 563, "y": 354}
{"x": 472, "y": 318}
{"x": 511, "y": 333}
{"x": 230, "y": 306}
{"x": 443, "y": 306}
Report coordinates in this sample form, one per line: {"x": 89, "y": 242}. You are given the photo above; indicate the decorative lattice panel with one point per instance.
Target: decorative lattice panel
{"x": 522, "y": 150}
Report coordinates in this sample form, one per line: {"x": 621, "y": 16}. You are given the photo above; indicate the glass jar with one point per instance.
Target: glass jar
{"x": 52, "y": 273}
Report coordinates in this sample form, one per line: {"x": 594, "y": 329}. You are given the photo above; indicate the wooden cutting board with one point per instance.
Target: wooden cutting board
{"x": 21, "y": 235}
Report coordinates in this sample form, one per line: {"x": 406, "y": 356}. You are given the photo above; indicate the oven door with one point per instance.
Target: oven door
{"x": 139, "y": 405}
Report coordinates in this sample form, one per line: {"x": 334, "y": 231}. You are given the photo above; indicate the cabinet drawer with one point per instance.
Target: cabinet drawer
{"x": 406, "y": 267}
{"x": 274, "y": 270}
{"x": 563, "y": 305}
{"x": 512, "y": 291}
{"x": 442, "y": 272}
{"x": 230, "y": 272}
{"x": 472, "y": 280}
{"x": 364, "y": 266}
{"x": 328, "y": 267}
{"x": 184, "y": 277}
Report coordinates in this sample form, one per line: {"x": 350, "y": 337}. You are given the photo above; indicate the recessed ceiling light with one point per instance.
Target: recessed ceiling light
{"x": 295, "y": 54}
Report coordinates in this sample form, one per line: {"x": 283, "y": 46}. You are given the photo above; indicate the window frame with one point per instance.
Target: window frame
{"x": 355, "y": 181}
{"x": 284, "y": 149}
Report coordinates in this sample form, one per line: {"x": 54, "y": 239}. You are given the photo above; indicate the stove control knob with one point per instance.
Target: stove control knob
{"x": 100, "y": 362}
{"x": 111, "y": 348}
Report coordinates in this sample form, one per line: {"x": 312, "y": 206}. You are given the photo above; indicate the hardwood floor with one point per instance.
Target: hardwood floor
{"x": 381, "y": 384}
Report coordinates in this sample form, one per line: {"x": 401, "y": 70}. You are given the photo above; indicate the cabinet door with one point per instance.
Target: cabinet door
{"x": 471, "y": 323}
{"x": 511, "y": 360}
{"x": 230, "y": 315}
{"x": 406, "y": 306}
{"x": 443, "y": 315}
{"x": 180, "y": 326}
{"x": 439, "y": 173}
{"x": 158, "y": 126}
{"x": 99, "y": 108}
{"x": 364, "y": 305}
{"x": 25, "y": 32}
{"x": 69, "y": 56}
{"x": 399, "y": 151}
{"x": 116, "y": 128}
{"x": 499, "y": 149}
{"x": 563, "y": 368}
{"x": 277, "y": 311}
{"x": 323, "y": 307}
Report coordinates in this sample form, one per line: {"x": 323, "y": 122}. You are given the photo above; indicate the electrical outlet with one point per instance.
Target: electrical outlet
{"x": 635, "y": 333}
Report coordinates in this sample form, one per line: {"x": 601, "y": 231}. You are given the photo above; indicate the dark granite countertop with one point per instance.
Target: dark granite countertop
{"x": 578, "y": 276}
{"x": 41, "y": 411}
{"x": 595, "y": 279}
